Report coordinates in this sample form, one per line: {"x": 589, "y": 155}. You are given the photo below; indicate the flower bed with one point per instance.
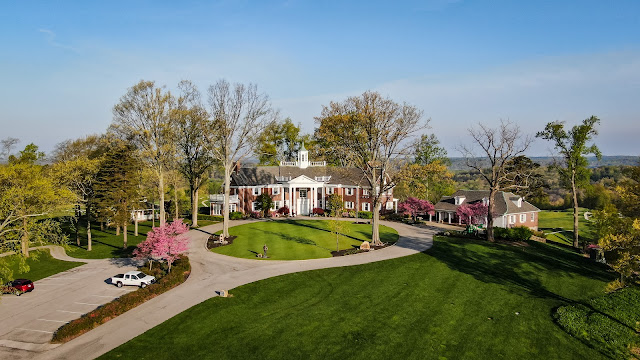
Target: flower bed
{"x": 180, "y": 271}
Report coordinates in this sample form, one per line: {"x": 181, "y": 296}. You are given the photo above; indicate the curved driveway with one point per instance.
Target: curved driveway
{"x": 212, "y": 272}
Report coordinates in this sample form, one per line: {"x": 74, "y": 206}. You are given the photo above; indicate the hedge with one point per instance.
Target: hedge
{"x": 180, "y": 271}
{"x": 210, "y": 217}
{"x": 518, "y": 233}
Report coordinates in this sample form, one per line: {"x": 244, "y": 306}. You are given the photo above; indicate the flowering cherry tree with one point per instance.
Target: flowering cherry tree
{"x": 414, "y": 207}
{"x": 472, "y": 213}
{"x": 165, "y": 242}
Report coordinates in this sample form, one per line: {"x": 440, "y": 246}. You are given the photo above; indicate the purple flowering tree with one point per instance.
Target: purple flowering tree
{"x": 414, "y": 207}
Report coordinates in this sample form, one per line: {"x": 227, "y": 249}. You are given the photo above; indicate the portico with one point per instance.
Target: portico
{"x": 302, "y": 195}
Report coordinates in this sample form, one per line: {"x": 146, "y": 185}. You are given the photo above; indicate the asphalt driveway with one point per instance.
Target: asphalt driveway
{"x": 27, "y": 322}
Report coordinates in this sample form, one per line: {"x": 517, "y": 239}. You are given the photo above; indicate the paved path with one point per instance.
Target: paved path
{"x": 28, "y": 322}
{"x": 212, "y": 272}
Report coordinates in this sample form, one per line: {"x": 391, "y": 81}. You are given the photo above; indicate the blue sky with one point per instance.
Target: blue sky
{"x": 64, "y": 64}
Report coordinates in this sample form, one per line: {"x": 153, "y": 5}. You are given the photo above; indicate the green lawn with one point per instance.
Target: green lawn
{"x": 41, "y": 265}
{"x": 297, "y": 239}
{"x": 105, "y": 244}
{"x": 562, "y": 220}
{"x": 463, "y": 299}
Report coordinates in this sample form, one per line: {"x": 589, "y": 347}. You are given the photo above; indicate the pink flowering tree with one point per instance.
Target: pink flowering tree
{"x": 414, "y": 207}
{"x": 166, "y": 242}
{"x": 472, "y": 213}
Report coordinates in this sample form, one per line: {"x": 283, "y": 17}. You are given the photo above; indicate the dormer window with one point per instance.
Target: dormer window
{"x": 517, "y": 201}
{"x": 459, "y": 199}
{"x": 485, "y": 201}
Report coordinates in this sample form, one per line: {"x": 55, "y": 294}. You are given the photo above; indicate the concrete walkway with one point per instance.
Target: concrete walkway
{"x": 212, "y": 272}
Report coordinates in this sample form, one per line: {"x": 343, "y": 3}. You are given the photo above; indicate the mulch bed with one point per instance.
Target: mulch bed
{"x": 211, "y": 243}
{"x": 356, "y": 250}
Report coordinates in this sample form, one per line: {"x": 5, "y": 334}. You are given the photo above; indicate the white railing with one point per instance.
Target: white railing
{"x": 288, "y": 163}
{"x": 283, "y": 178}
{"x": 318, "y": 163}
{"x": 323, "y": 178}
{"x": 218, "y": 198}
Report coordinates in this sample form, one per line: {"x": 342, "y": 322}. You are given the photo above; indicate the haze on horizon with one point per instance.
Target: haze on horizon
{"x": 64, "y": 65}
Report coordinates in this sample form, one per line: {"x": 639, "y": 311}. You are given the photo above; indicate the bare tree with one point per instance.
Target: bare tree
{"x": 238, "y": 113}
{"x": 369, "y": 131}
{"x": 143, "y": 117}
{"x": 191, "y": 124}
{"x": 498, "y": 146}
{"x": 6, "y": 146}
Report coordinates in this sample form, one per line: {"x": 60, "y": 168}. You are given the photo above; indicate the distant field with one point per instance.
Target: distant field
{"x": 560, "y": 223}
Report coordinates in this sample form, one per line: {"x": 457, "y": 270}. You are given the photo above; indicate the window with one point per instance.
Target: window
{"x": 365, "y": 192}
{"x": 275, "y": 205}
{"x": 366, "y": 207}
{"x": 389, "y": 205}
{"x": 254, "y": 206}
{"x": 303, "y": 193}
{"x": 329, "y": 190}
{"x": 276, "y": 191}
{"x": 256, "y": 191}
{"x": 349, "y": 191}
{"x": 523, "y": 218}
{"x": 512, "y": 219}
{"x": 216, "y": 209}
{"x": 348, "y": 205}
{"x": 533, "y": 216}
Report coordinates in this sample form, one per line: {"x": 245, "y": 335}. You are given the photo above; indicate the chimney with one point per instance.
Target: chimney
{"x": 236, "y": 167}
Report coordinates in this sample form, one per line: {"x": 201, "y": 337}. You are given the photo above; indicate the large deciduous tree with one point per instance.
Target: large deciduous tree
{"x": 28, "y": 190}
{"x": 573, "y": 148}
{"x": 237, "y": 114}
{"x": 191, "y": 122}
{"x": 369, "y": 132}
{"x": 498, "y": 146}
{"x": 279, "y": 141}
{"x": 77, "y": 163}
{"x": 143, "y": 116}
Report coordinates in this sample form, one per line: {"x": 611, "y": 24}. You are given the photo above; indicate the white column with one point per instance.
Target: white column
{"x": 324, "y": 203}
{"x": 290, "y": 201}
{"x": 294, "y": 203}
{"x": 449, "y": 217}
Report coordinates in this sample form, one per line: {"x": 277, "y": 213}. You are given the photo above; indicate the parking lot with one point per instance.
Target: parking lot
{"x": 28, "y": 322}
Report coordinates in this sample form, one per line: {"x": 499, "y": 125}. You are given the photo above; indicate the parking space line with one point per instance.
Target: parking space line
{"x": 42, "y": 331}
{"x": 80, "y": 303}
{"x": 58, "y": 321}
{"x": 70, "y": 312}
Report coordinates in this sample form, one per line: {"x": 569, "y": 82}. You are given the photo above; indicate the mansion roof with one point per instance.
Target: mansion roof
{"x": 505, "y": 202}
{"x": 266, "y": 175}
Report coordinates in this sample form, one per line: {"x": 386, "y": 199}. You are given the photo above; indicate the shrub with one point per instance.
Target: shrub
{"x": 71, "y": 330}
{"x": 209, "y": 217}
{"x": 283, "y": 210}
{"x": 393, "y": 217}
{"x": 520, "y": 233}
{"x": 365, "y": 214}
{"x": 501, "y": 233}
{"x": 318, "y": 211}
{"x": 256, "y": 215}
{"x": 540, "y": 234}
{"x": 236, "y": 215}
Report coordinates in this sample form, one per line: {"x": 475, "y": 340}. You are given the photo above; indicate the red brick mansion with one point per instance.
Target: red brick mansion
{"x": 300, "y": 185}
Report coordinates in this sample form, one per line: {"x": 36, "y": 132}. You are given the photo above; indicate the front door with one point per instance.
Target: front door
{"x": 303, "y": 202}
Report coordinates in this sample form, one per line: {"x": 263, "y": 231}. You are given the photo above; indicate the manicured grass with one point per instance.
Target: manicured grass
{"x": 562, "y": 220}
{"x": 41, "y": 265}
{"x": 105, "y": 244}
{"x": 462, "y": 299}
{"x": 297, "y": 239}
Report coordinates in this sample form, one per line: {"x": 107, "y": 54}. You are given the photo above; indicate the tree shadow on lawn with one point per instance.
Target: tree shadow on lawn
{"x": 299, "y": 223}
{"x": 503, "y": 266}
